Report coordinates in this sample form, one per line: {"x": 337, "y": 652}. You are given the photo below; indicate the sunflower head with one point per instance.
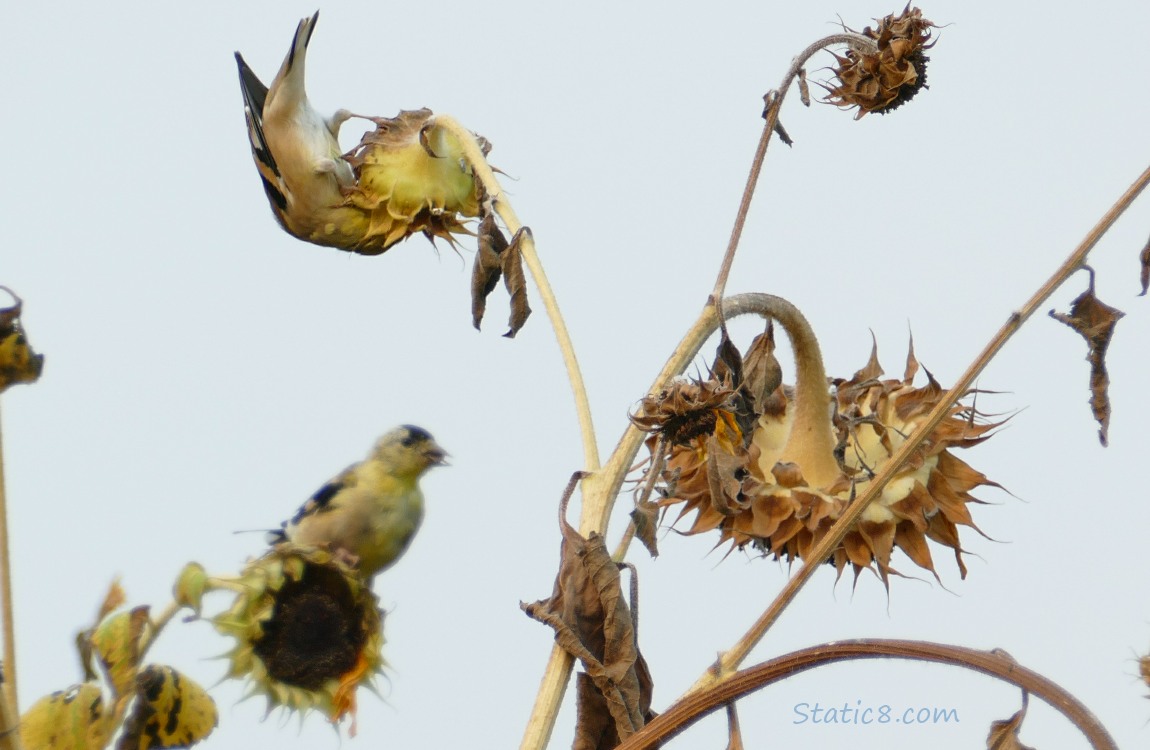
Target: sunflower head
{"x": 411, "y": 177}
{"x": 883, "y": 79}
{"x": 757, "y": 492}
{"x": 687, "y": 410}
{"x": 308, "y": 631}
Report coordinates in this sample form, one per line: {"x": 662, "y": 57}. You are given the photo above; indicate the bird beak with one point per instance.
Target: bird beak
{"x": 437, "y": 456}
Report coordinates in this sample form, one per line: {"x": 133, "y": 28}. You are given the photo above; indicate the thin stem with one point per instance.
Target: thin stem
{"x": 157, "y": 626}
{"x": 774, "y": 100}
{"x": 6, "y": 605}
{"x": 602, "y": 487}
{"x": 996, "y": 663}
{"x": 482, "y": 170}
{"x": 730, "y": 660}
{"x": 9, "y": 728}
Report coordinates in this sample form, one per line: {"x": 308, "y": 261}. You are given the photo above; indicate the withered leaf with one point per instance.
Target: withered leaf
{"x": 762, "y": 373}
{"x": 804, "y": 89}
{"x": 728, "y": 370}
{"x": 1144, "y": 260}
{"x": 516, "y": 283}
{"x": 723, "y": 477}
{"x": 593, "y": 623}
{"x": 781, "y": 132}
{"x": 1094, "y": 320}
{"x": 18, "y": 363}
{"x": 497, "y": 258}
{"x": 487, "y": 270}
{"x": 645, "y": 516}
{"x": 1003, "y": 734}
{"x": 728, "y": 366}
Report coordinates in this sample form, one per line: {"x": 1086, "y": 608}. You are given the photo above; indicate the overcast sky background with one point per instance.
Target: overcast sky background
{"x": 206, "y": 372}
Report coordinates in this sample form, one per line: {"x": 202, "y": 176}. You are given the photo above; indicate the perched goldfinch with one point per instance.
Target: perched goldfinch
{"x": 297, "y": 152}
{"x": 371, "y": 509}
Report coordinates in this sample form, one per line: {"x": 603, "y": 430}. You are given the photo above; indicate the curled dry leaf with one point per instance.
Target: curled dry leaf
{"x": 18, "y": 362}
{"x": 1094, "y": 320}
{"x": 497, "y": 258}
{"x": 1144, "y": 261}
{"x": 645, "y": 516}
{"x": 1003, "y": 734}
{"x": 593, "y": 623}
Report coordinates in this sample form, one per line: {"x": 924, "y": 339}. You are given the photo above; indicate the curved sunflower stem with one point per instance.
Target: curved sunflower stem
{"x": 730, "y": 660}
{"x": 482, "y": 170}
{"x": 774, "y": 102}
{"x": 601, "y": 488}
{"x": 996, "y": 663}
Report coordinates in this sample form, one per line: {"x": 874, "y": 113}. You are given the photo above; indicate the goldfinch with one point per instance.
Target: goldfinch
{"x": 371, "y": 510}
{"x": 408, "y": 176}
{"x": 297, "y": 152}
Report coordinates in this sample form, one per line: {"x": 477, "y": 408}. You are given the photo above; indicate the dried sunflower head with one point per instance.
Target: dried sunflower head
{"x": 753, "y": 496}
{"x": 411, "y": 177}
{"x": 686, "y": 411}
{"x": 308, "y": 631}
{"x": 886, "y": 78}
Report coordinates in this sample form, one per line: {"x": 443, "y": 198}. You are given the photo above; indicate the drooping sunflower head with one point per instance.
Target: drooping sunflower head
{"x": 411, "y": 177}
{"x": 892, "y": 74}
{"x": 758, "y": 493}
{"x": 308, "y": 631}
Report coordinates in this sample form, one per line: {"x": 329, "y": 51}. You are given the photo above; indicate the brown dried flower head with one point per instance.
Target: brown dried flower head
{"x": 308, "y": 631}
{"x": 756, "y": 493}
{"x": 686, "y": 410}
{"x": 882, "y": 80}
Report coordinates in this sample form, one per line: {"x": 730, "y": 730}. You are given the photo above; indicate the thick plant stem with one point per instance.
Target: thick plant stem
{"x": 6, "y": 606}
{"x": 731, "y": 659}
{"x": 996, "y": 663}
{"x": 601, "y": 488}
{"x": 502, "y": 206}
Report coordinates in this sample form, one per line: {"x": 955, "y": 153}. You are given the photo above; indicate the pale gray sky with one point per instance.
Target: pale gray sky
{"x": 205, "y": 371}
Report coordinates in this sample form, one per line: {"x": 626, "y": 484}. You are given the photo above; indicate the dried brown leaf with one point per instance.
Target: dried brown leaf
{"x": 1144, "y": 260}
{"x": 593, "y": 623}
{"x": 487, "y": 270}
{"x": 497, "y": 258}
{"x": 645, "y": 516}
{"x": 1094, "y": 320}
{"x": 516, "y": 283}
{"x": 804, "y": 89}
{"x": 729, "y": 370}
{"x": 723, "y": 477}
{"x": 762, "y": 373}
{"x": 1003, "y": 734}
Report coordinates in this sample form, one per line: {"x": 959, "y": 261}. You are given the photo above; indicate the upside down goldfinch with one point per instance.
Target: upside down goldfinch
{"x": 296, "y": 150}
{"x": 372, "y": 509}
